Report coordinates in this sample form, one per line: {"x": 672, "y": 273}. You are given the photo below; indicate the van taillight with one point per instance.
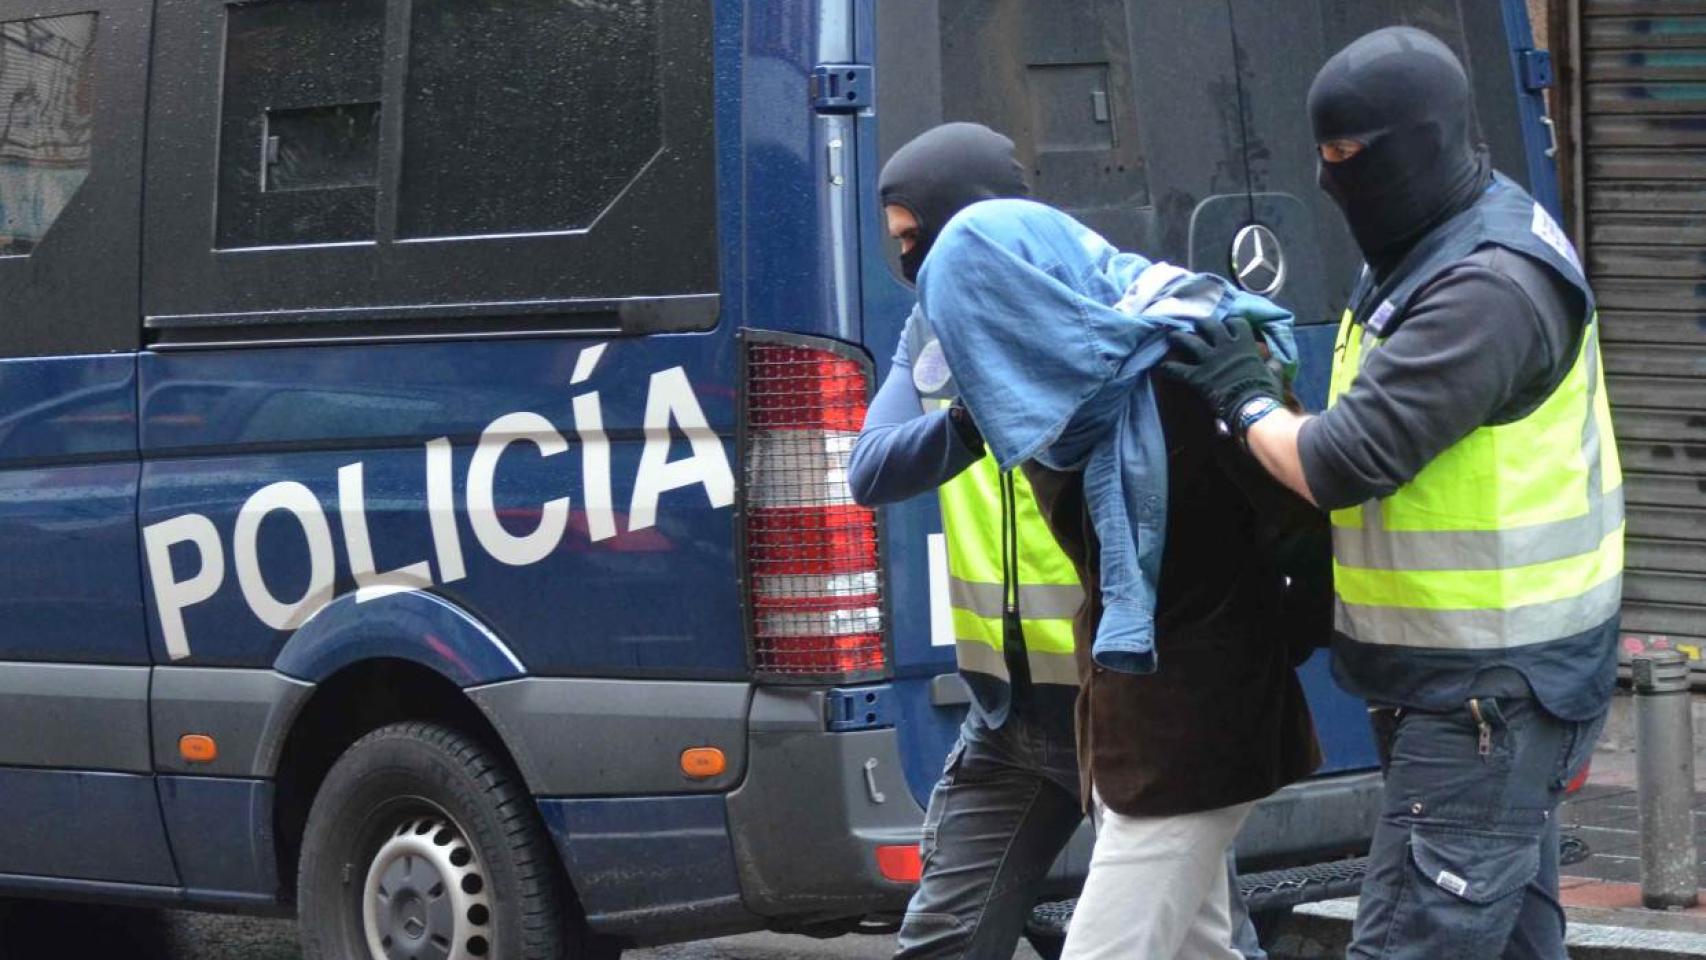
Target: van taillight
{"x": 812, "y": 558}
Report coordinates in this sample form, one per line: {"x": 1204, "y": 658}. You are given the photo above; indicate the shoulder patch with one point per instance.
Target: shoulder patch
{"x": 1552, "y": 235}
{"x": 1377, "y": 322}
{"x": 930, "y": 373}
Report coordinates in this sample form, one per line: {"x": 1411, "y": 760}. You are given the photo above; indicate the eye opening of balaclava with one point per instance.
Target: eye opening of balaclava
{"x": 941, "y": 172}
{"x": 1403, "y": 95}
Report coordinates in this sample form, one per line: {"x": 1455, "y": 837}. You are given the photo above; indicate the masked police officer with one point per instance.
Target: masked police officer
{"x": 1467, "y": 459}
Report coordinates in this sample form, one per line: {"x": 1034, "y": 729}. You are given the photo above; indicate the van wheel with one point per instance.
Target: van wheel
{"x": 423, "y": 844}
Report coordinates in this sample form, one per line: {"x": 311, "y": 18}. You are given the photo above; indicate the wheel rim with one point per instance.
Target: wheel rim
{"x": 425, "y": 896}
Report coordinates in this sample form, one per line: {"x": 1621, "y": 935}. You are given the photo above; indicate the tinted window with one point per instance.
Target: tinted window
{"x": 409, "y": 166}
{"x": 1057, "y": 80}
{"x": 46, "y": 95}
{"x": 1123, "y": 111}
{"x": 526, "y": 116}
{"x": 299, "y": 122}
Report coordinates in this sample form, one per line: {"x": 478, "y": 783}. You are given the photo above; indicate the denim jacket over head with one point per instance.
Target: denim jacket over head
{"x": 1051, "y": 333}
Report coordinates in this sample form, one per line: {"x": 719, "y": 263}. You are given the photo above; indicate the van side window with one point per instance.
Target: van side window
{"x": 374, "y": 168}
{"x": 525, "y": 117}
{"x": 72, "y": 79}
{"x": 299, "y": 122}
{"x": 46, "y": 123}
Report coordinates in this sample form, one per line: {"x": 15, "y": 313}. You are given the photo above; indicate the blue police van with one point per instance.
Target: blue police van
{"x": 423, "y": 427}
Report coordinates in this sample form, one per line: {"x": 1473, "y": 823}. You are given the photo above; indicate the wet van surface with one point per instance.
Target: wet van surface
{"x": 423, "y": 430}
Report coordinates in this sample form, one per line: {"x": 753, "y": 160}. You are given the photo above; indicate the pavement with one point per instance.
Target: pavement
{"x": 1601, "y": 893}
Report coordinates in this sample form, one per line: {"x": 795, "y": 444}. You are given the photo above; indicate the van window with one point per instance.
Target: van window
{"x": 407, "y": 167}
{"x": 46, "y": 122}
{"x": 72, "y": 80}
{"x": 299, "y": 122}
{"x": 1059, "y": 81}
{"x": 525, "y": 117}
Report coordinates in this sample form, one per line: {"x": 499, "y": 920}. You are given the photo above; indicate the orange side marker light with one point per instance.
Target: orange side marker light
{"x": 703, "y": 763}
{"x": 198, "y": 748}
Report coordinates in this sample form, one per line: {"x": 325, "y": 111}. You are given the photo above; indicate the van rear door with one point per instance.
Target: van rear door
{"x": 1126, "y": 114}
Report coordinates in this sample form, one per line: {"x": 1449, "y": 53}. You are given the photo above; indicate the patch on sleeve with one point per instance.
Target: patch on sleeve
{"x": 1377, "y": 323}
{"x": 1552, "y": 235}
{"x": 930, "y": 373}
{"x": 1452, "y": 882}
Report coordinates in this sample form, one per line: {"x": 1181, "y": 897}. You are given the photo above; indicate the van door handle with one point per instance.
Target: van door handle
{"x": 1551, "y": 132}
{"x": 871, "y": 788}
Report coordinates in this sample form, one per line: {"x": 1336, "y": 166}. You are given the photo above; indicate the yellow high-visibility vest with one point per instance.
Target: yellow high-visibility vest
{"x": 1048, "y": 592}
{"x": 1513, "y": 536}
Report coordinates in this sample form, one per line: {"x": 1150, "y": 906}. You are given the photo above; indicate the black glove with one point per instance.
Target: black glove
{"x": 1221, "y": 362}
{"x": 965, "y": 426}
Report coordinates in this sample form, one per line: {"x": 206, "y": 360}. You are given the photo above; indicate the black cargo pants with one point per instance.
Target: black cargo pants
{"x": 1464, "y": 862}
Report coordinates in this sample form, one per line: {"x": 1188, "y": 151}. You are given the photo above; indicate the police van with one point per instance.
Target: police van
{"x": 423, "y": 427}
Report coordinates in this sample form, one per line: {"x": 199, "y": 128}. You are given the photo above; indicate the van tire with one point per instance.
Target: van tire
{"x": 427, "y": 784}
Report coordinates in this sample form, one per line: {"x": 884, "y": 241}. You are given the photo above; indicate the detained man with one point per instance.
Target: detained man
{"x": 1190, "y": 709}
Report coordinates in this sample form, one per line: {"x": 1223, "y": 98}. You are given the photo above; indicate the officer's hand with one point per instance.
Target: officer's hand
{"x": 1222, "y": 362}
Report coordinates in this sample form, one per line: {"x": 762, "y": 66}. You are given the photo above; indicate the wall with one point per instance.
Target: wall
{"x": 1538, "y": 14}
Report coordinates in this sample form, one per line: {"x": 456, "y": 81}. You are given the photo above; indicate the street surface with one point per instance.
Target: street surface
{"x": 35, "y": 931}
{"x": 32, "y": 931}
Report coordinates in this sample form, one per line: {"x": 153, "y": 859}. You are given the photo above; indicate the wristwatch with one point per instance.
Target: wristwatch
{"x": 1250, "y": 414}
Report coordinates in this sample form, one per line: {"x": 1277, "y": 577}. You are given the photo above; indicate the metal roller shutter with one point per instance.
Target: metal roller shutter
{"x": 1643, "y": 69}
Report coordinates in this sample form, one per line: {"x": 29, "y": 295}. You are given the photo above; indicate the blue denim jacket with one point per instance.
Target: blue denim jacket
{"x": 1050, "y": 333}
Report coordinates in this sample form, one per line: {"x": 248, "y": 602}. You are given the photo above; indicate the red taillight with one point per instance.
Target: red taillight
{"x": 814, "y": 583}
{"x": 900, "y": 864}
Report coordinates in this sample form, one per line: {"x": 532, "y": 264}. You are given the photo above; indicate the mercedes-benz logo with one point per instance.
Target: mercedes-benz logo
{"x": 1258, "y": 263}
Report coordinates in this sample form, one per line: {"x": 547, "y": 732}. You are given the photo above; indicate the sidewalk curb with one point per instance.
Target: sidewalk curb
{"x": 1321, "y": 930}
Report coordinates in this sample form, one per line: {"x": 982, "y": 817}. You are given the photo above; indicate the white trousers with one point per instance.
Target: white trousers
{"x": 1157, "y": 888}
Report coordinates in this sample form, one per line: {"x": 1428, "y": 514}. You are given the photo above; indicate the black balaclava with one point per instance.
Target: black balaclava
{"x": 1402, "y": 94}
{"x": 941, "y": 172}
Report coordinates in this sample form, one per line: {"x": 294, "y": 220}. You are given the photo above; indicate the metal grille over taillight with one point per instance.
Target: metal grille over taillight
{"x": 812, "y": 557}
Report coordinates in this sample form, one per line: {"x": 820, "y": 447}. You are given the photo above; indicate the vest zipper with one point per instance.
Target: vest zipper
{"x": 1014, "y": 651}
{"x": 1009, "y": 547}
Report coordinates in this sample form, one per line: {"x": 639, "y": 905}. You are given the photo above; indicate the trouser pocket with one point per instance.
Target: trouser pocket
{"x": 927, "y": 841}
{"x": 1463, "y": 892}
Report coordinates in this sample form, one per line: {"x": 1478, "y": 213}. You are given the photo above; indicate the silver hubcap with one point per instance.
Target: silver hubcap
{"x": 425, "y": 897}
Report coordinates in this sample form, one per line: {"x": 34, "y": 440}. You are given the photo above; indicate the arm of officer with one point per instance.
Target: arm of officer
{"x": 1471, "y": 345}
{"x": 902, "y": 450}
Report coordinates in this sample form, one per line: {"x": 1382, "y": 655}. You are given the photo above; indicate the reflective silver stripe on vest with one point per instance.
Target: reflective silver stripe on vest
{"x": 1375, "y": 548}
{"x": 1480, "y": 629}
{"x": 1372, "y": 547}
{"x": 1056, "y": 668}
{"x": 1037, "y": 601}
